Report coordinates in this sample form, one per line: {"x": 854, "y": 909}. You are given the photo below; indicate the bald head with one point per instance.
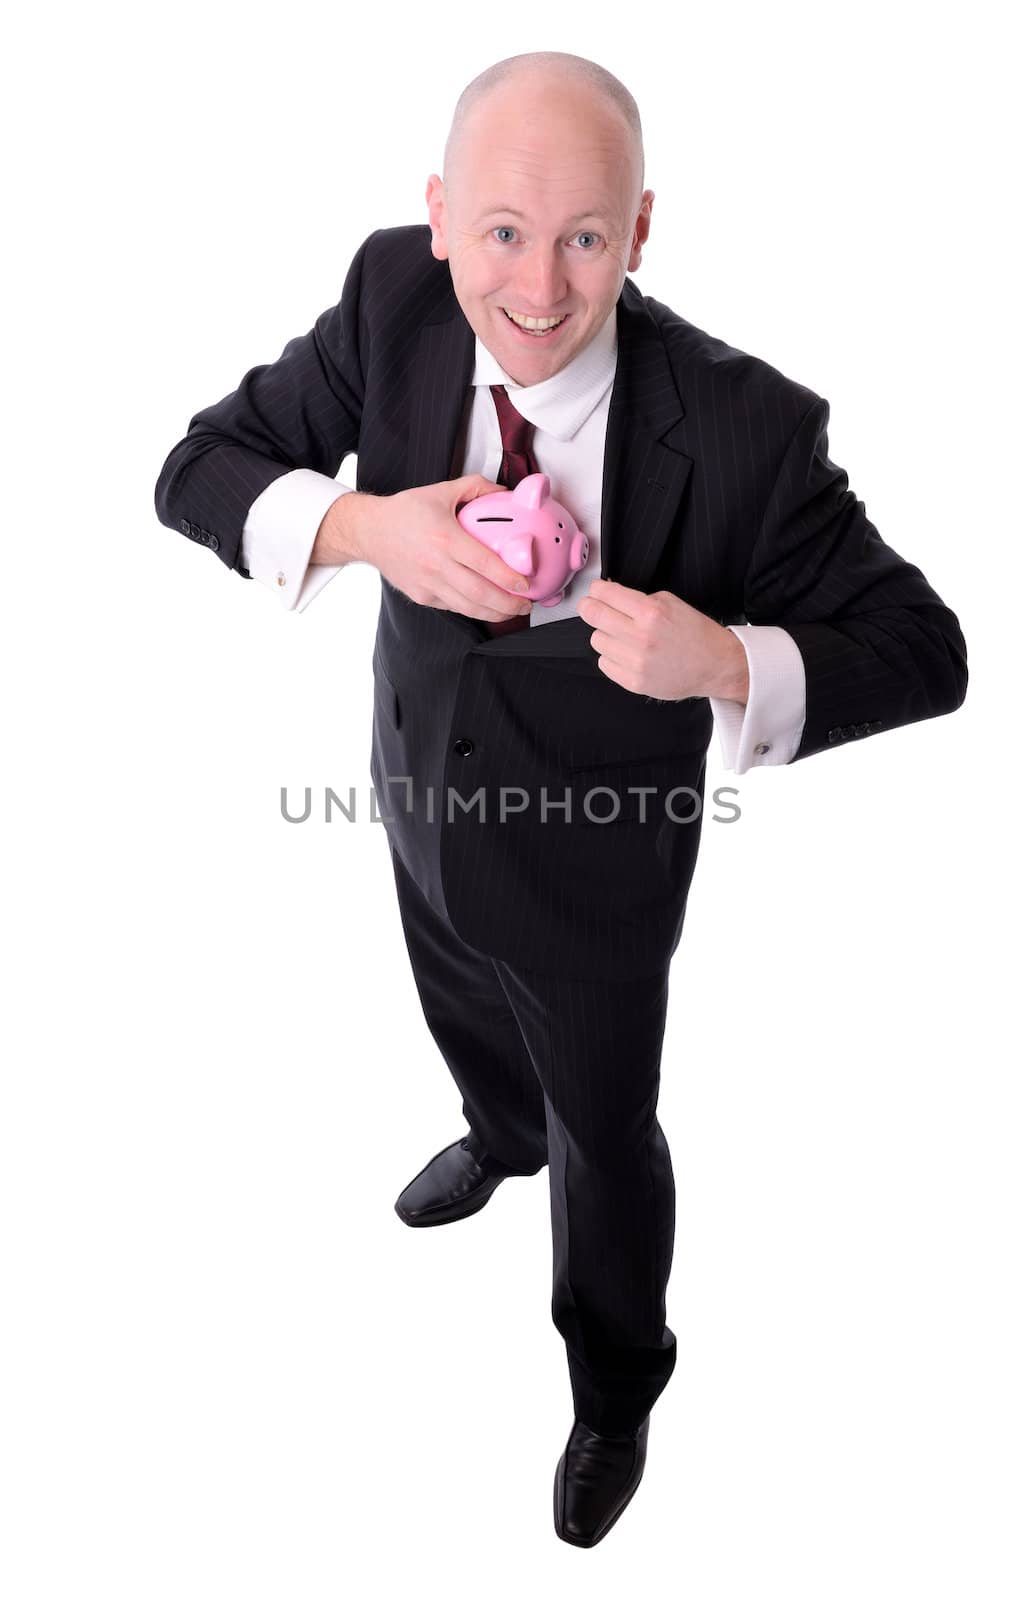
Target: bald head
{"x": 541, "y": 78}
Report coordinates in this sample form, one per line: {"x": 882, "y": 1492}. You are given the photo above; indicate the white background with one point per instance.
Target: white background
{"x": 228, "y": 1369}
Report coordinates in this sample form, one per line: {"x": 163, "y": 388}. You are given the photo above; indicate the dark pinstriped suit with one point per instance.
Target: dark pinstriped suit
{"x": 541, "y": 948}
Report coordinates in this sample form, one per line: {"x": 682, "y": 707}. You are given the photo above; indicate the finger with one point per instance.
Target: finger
{"x": 495, "y": 605}
{"x": 612, "y": 649}
{"x": 471, "y": 487}
{"x": 629, "y": 602}
{"x": 614, "y": 670}
{"x": 472, "y": 606}
{"x": 599, "y": 614}
{"x": 470, "y": 554}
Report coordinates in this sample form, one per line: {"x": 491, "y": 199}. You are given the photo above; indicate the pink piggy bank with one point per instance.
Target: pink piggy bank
{"x": 532, "y": 532}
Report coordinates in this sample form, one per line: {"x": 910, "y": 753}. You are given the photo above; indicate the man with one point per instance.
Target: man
{"x": 541, "y": 771}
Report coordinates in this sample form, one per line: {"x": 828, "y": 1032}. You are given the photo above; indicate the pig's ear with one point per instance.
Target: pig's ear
{"x": 517, "y": 553}
{"x": 532, "y": 491}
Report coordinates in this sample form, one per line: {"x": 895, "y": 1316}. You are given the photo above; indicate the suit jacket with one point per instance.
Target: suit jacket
{"x": 716, "y": 485}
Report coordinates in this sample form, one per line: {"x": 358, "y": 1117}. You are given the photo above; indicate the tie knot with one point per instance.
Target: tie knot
{"x": 516, "y": 431}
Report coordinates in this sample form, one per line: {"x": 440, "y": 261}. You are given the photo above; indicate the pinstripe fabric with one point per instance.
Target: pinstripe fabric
{"x": 566, "y": 1071}
{"x": 717, "y": 485}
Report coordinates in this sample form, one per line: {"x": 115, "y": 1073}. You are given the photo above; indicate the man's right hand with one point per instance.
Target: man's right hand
{"x": 415, "y": 539}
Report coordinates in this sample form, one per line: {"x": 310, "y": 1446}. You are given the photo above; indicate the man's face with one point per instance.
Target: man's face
{"x": 540, "y": 216}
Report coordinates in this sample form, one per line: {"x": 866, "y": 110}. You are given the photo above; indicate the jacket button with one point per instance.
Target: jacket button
{"x": 213, "y": 541}
{"x": 463, "y": 747}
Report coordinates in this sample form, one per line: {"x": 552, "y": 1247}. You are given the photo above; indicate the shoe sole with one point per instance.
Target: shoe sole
{"x": 558, "y": 1496}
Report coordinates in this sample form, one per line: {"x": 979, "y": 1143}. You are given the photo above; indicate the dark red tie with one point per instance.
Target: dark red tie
{"x": 516, "y": 433}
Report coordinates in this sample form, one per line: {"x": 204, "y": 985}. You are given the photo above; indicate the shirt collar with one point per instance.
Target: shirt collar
{"x": 562, "y": 403}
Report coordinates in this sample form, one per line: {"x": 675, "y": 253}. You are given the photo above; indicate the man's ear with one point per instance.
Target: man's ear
{"x": 642, "y": 224}
{"x": 437, "y": 207}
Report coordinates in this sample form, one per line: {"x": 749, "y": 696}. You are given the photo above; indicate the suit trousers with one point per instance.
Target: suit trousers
{"x": 566, "y": 1071}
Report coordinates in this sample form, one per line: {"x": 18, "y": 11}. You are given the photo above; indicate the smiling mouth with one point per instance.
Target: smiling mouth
{"x": 536, "y": 332}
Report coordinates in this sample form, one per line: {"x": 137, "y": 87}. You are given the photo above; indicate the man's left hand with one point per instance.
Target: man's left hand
{"x": 657, "y": 645}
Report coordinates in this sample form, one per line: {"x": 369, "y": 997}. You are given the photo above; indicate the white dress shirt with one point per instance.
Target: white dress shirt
{"x": 569, "y": 411}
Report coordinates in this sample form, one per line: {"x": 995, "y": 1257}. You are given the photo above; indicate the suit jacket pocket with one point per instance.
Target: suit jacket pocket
{"x": 636, "y": 792}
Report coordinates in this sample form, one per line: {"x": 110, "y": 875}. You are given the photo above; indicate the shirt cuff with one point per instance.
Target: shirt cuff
{"x": 279, "y": 533}
{"x": 767, "y": 730}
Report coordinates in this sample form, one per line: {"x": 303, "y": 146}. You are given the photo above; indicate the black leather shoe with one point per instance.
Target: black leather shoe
{"x": 452, "y": 1185}
{"x": 595, "y": 1479}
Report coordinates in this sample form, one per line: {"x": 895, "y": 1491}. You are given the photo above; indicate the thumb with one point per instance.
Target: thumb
{"x": 475, "y": 484}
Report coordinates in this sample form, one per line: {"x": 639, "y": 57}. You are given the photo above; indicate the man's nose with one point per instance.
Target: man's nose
{"x": 541, "y": 281}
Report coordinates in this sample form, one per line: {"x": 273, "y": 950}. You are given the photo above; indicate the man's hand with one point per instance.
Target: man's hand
{"x": 657, "y": 645}
{"x": 415, "y": 539}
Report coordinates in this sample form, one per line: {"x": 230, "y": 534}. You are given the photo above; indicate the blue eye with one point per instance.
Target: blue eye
{"x": 505, "y": 227}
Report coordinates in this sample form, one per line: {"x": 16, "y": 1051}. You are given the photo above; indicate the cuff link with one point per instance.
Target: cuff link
{"x": 761, "y": 749}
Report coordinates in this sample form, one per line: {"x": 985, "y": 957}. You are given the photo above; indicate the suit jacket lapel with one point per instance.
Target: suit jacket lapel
{"x": 644, "y": 474}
